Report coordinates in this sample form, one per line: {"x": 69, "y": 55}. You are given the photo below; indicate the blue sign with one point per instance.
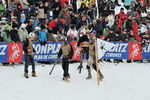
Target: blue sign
{"x": 3, "y": 52}
{"x": 120, "y": 51}
{"x": 46, "y": 52}
{"x": 146, "y": 52}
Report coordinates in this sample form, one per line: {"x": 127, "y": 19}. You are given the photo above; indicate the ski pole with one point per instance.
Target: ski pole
{"x": 53, "y": 67}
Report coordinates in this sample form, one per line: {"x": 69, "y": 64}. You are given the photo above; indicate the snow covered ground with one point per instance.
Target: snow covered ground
{"x": 121, "y": 82}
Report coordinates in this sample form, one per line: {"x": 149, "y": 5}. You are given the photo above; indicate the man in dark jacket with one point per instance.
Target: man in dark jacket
{"x": 29, "y": 50}
{"x": 66, "y": 51}
{"x": 14, "y": 34}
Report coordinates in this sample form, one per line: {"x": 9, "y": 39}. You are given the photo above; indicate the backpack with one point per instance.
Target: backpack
{"x": 42, "y": 36}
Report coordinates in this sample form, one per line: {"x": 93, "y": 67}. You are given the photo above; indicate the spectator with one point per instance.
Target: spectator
{"x": 23, "y": 33}
{"x": 14, "y": 34}
{"x": 72, "y": 33}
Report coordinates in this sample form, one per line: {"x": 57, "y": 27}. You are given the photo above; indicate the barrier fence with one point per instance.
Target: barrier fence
{"x": 13, "y": 52}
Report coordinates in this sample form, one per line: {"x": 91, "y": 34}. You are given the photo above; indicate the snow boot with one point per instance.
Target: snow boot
{"x": 89, "y": 75}
{"x": 68, "y": 76}
{"x": 65, "y": 79}
{"x": 33, "y": 74}
{"x": 26, "y": 75}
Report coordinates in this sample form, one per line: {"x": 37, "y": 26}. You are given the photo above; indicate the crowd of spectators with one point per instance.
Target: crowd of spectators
{"x": 54, "y": 20}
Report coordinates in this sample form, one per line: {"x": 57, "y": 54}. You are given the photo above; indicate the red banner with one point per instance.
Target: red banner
{"x": 15, "y": 52}
{"x": 76, "y": 55}
{"x": 134, "y": 51}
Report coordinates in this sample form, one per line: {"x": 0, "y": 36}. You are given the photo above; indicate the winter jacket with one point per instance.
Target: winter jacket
{"x": 66, "y": 50}
{"x": 72, "y": 34}
{"x": 6, "y": 37}
{"x": 128, "y": 25}
{"x": 122, "y": 18}
{"x": 56, "y": 8}
{"x": 28, "y": 45}
{"x": 23, "y": 34}
{"x": 14, "y": 35}
{"x": 60, "y": 37}
{"x": 110, "y": 20}
{"x": 64, "y": 15}
{"x": 84, "y": 40}
{"x": 29, "y": 28}
{"x": 41, "y": 13}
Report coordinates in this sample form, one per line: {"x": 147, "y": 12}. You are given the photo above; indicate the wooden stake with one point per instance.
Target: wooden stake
{"x": 97, "y": 65}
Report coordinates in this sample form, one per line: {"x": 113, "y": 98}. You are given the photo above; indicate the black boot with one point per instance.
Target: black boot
{"x": 89, "y": 74}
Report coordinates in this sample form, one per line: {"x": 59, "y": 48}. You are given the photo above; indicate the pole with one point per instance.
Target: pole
{"x": 53, "y": 67}
{"x": 97, "y": 65}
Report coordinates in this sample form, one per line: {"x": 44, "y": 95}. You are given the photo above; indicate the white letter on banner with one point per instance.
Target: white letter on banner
{"x": 148, "y": 49}
{"x": 50, "y": 46}
{"x": 3, "y": 47}
{"x": 57, "y": 48}
{"x": 115, "y": 48}
{"x": 43, "y": 48}
{"x": 123, "y": 47}
{"x": 38, "y": 48}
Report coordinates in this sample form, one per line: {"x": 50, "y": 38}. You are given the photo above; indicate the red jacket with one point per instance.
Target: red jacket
{"x": 135, "y": 27}
{"x": 52, "y": 24}
{"x": 122, "y": 18}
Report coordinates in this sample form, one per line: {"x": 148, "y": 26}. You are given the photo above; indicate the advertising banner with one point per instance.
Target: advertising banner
{"x": 46, "y": 52}
{"x": 120, "y": 51}
{"x": 146, "y": 52}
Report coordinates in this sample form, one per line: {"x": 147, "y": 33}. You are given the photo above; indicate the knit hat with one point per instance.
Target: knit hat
{"x": 31, "y": 34}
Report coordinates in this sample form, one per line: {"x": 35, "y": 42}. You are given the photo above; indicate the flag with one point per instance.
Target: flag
{"x": 103, "y": 46}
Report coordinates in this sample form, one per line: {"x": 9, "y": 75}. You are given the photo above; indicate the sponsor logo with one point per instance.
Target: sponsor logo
{"x": 3, "y": 49}
{"x": 15, "y": 52}
{"x": 120, "y": 47}
{"x": 135, "y": 51}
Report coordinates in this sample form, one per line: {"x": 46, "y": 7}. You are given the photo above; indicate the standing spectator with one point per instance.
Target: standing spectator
{"x": 101, "y": 25}
{"x": 29, "y": 27}
{"x": 64, "y": 14}
{"x": 110, "y": 19}
{"x": 128, "y": 23}
{"x": 56, "y": 8}
{"x": 122, "y": 18}
{"x": 25, "y": 6}
{"x": 41, "y": 14}
{"x": 29, "y": 50}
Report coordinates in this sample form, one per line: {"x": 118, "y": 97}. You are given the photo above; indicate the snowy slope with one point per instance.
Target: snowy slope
{"x": 121, "y": 82}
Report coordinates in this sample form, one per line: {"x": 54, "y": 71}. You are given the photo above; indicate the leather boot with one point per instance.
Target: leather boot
{"x": 33, "y": 74}
{"x": 26, "y": 75}
{"x": 89, "y": 74}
